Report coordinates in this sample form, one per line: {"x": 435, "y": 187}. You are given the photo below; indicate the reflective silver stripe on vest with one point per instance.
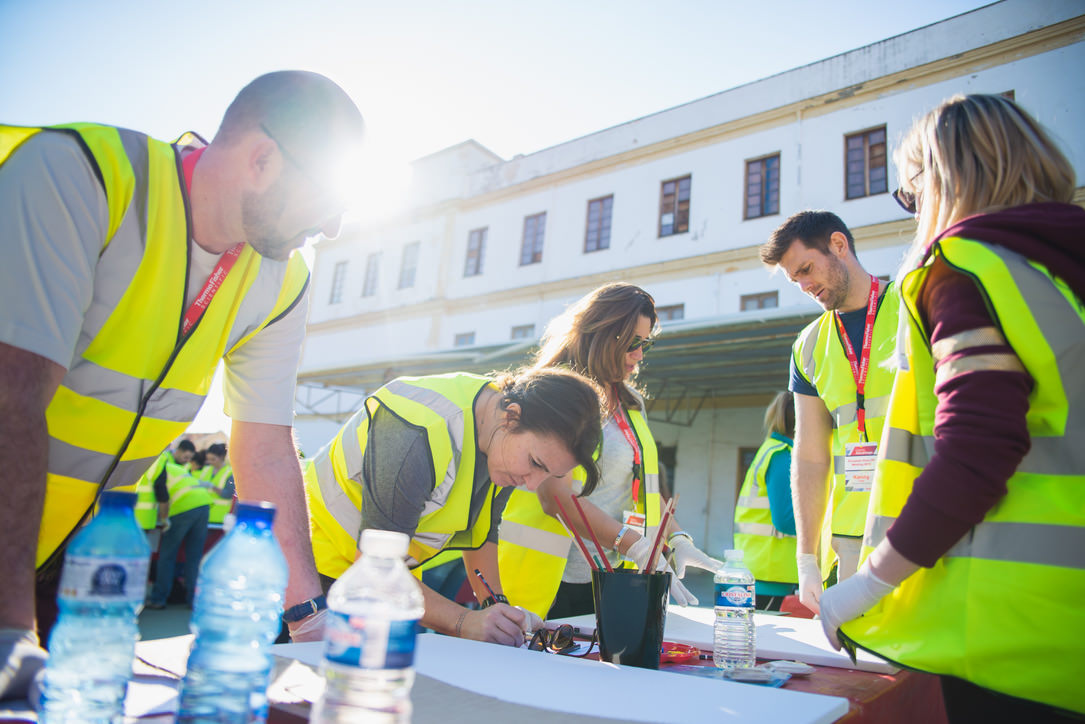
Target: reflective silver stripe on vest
{"x": 876, "y": 528}
{"x": 543, "y": 541}
{"x": 433, "y": 540}
{"x": 1037, "y": 543}
{"x": 353, "y": 455}
{"x": 82, "y": 464}
{"x": 806, "y": 346}
{"x": 339, "y": 506}
{"x": 1047, "y": 455}
{"x": 762, "y": 529}
{"x": 453, "y": 416}
{"x": 116, "y": 389}
{"x": 760, "y": 502}
{"x": 848, "y": 413}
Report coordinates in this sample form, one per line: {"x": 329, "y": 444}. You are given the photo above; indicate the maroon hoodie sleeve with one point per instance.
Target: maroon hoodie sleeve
{"x": 980, "y": 430}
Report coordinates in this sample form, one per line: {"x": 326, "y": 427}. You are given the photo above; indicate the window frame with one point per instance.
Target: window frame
{"x": 665, "y": 312}
{"x": 477, "y": 254}
{"x": 528, "y": 329}
{"x": 339, "y": 277}
{"x": 607, "y": 203}
{"x": 468, "y": 339}
{"x": 539, "y": 238}
{"x": 763, "y": 196}
{"x": 371, "y": 281}
{"x": 676, "y": 226}
{"x": 404, "y": 283}
{"x": 865, "y": 134}
{"x": 760, "y": 298}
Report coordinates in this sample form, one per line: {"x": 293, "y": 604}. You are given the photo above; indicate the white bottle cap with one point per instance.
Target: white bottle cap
{"x": 384, "y": 543}
{"x": 733, "y": 554}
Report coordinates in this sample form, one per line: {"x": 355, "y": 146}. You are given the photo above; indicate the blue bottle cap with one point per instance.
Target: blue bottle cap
{"x": 255, "y": 511}
{"x": 117, "y": 499}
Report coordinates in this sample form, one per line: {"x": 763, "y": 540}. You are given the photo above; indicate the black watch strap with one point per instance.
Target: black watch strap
{"x": 496, "y": 598}
{"x": 305, "y": 609}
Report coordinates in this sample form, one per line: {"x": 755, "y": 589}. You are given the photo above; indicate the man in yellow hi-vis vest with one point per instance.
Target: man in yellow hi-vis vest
{"x": 134, "y": 267}
{"x": 841, "y": 389}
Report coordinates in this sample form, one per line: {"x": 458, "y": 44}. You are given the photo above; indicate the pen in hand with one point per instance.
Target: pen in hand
{"x": 481, "y": 578}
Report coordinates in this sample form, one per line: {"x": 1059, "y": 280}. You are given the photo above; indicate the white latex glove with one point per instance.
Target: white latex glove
{"x": 639, "y": 552}
{"x": 684, "y": 553}
{"x": 849, "y": 599}
{"x": 810, "y": 587}
{"x": 163, "y": 525}
{"x": 22, "y": 657}
{"x": 310, "y": 628}
{"x": 532, "y": 622}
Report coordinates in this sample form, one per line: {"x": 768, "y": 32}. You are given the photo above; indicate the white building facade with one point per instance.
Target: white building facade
{"x": 677, "y": 202}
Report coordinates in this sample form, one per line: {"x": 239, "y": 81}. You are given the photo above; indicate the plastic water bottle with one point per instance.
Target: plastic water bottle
{"x": 734, "y": 640}
{"x": 236, "y": 617}
{"x": 369, "y": 638}
{"x": 102, "y": 587}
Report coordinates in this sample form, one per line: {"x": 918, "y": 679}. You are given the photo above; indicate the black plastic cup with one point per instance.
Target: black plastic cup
{"x": 630, "y": 609}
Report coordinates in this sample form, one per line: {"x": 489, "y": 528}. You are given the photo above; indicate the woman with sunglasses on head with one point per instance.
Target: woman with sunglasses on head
{"x": 603, "y": 336}
{"x": 435, "y": 458}
{"x": 975, "y": 539}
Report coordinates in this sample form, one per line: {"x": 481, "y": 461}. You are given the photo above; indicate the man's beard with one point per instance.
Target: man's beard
{"x": 836, "y": 290}
{"x": 260, "y": 214}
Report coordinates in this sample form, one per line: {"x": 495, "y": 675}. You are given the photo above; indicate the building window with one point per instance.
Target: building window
{"x": 532, "y": 245}
{"x": 761, "y": 300}
{"x": 745, "y": 460}
{"x": 372, "y": 267}
{"x": 671, "y": 313}
{"x": 465, "y": 339}
{"x": 523, "y": 331}
{"x": 865, "y": 164}
{"x": 409, "y": 265}
{"x": 674, "y": 206}
{"x": 339, "y": 276}
{"x": 763, "y": 187}
{"x": 597, "y": 235}
{"x": 476, "y": 247}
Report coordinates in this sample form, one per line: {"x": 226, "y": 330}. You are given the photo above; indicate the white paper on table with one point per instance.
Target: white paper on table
{"x": 778, "y": 637}
{"x": 528, "y": 678}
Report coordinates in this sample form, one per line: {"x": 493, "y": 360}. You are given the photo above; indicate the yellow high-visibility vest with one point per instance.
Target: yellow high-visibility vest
{"x": 442, "y": 406}
{"x": 768, "y": 553}
{"x": 533, "y": 547}
{"x": 134, "y": 384}
{"x": 819, "y": 356}
{"x": 1003, "y": 608}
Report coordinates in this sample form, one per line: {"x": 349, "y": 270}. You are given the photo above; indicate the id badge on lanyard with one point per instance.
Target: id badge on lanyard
{"x": 860, "y": 457}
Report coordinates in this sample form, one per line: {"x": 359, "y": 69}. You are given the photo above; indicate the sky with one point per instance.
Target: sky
{"x": 514, "y": 75}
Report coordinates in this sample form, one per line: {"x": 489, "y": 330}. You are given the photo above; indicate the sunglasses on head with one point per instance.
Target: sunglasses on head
{"x": 644, "y": 344}
{"x": 907, "y": 199}
{"x": 559, "y": 641}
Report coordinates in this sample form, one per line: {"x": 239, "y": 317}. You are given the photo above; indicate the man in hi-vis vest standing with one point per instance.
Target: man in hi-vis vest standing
{"x": 841, "y": 389}
{"x": 132, "y": 267}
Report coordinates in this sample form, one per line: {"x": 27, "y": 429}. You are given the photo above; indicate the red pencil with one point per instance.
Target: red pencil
{"x": 602, "y": 555}
{"x": 650, "y": 568}
{"x": 580, "y": 544}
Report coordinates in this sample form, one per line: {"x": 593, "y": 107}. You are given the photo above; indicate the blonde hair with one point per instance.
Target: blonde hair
{"x": 780, "y": 415}
{"x": 592, "y": 336}
{"x": 977, "y": 154}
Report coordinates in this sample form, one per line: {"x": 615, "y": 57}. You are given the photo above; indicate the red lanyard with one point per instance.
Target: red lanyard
{"x": 623, "y": 425}
{"x": 226, "y": 263}
{"x": 860, "y": 367}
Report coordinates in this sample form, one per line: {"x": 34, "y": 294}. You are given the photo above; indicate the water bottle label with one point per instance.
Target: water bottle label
{"x": 103, "y": 579}
{"x": 734, "y": 595}
{"x": 369, "y": 643}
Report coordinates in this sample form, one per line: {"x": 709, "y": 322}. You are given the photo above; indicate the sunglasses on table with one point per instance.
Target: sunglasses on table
{"x": 559, "y": 641}
{"x": 642, "y": 343}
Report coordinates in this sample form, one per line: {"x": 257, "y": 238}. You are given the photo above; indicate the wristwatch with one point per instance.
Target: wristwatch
{"x": 305, "y": 609}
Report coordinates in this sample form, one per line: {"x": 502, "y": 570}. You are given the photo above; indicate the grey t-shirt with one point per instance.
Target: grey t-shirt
{"x": 397, "y": 478}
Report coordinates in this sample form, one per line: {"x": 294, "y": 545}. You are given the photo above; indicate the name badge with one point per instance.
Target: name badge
{"x": 859, "y": 460}
{"x": 634, "y": 520}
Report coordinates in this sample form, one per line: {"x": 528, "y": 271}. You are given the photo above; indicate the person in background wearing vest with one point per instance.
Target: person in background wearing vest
{"x": 604, "y": 336}
{"x": 133, "y": 267}
{"x": 183, "y": 508}
{"x": 218, "y": 473}
{"x": 764, "y": 517}
{"x": 841, "y": 390}
{"x": 436, "y": 458}
{"x": 975, "y": 565}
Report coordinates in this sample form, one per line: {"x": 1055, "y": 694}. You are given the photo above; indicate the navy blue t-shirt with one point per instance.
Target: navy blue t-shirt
{"x": 854, "y": 321}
